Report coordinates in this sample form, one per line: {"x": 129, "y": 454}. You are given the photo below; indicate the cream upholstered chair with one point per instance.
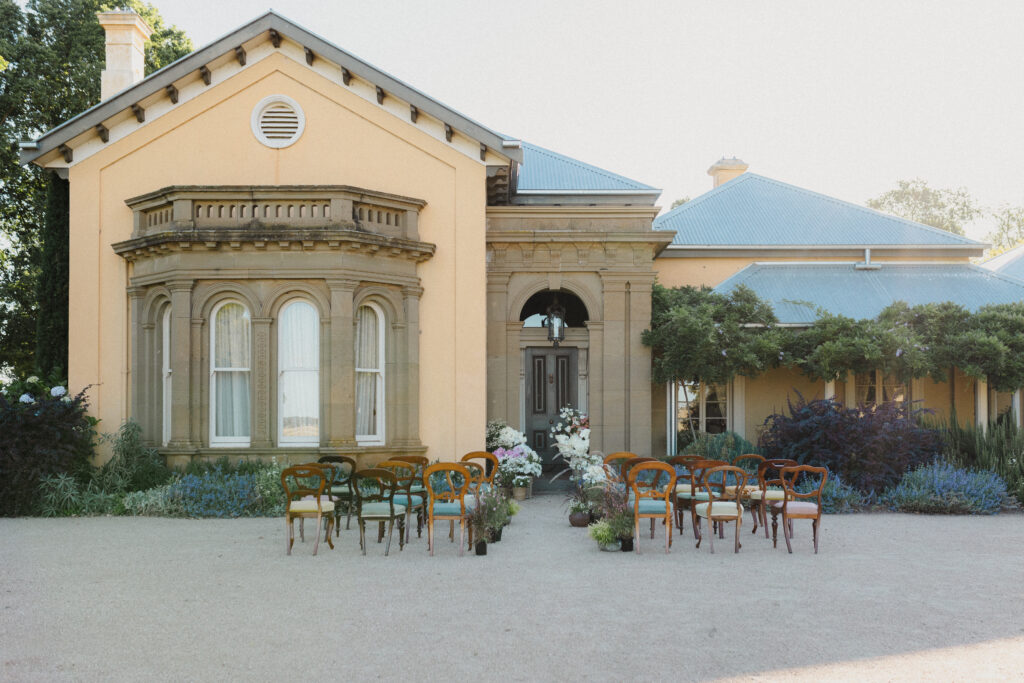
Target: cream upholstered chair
{"x": 750, "y": 462}
{"x": 697, "y": 494}
{"x": 717, "y": 509}
{"x": 304, "y": 492}
{"x": 792, "y": 507}
{"x": 769, "y": 489}
{"x": 652, "y": 486}
{"x": 340, "y": 487}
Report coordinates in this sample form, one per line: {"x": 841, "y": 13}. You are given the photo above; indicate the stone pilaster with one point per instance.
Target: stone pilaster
{"x": 409, "y": 373}
{"x": 341, "y": 407}
{"x": 262, "y": 430}
{"x": 182, "y": 406}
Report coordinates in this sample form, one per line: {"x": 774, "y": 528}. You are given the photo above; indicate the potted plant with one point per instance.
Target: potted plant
{"x": 580, "y": 505}
{"x": 618, "y": 513}
{"x": 488, "y": 518}
{"x": 517, "y": 467}
{"x": 605, "y": 536}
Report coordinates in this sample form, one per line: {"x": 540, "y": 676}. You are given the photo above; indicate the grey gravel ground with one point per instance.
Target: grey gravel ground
{"x": 889, "y": 597}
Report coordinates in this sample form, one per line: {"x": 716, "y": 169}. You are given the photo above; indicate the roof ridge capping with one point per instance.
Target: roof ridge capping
{"x": 271, "y": 19}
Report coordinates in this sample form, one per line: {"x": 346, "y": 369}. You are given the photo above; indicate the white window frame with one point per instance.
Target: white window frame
{"x": 878, "y": 380}
{"x": 379, "y": 438}
{"x": 226, "y": 441}
{"x": 673, "y": 411}
{"x": 283, "y": 440}
{"x": 165, "y": 376}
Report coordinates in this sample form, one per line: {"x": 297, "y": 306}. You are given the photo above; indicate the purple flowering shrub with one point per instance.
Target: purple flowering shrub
{"x": 943, "y": 488}
{"x": 869, "y": 447}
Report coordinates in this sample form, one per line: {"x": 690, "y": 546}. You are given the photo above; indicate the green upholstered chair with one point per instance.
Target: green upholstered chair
{"x": 304, "y": 495}
{"x": 340, "y": 488}
{"x": 652, "y": 486}
{"x": 719, "y": 509}
{"x": 414, "y": 503}
{"x": 447, "y": 484}
{"x": 375, "y": 502}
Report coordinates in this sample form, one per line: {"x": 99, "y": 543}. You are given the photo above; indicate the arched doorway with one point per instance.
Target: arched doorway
{"x": 551, "y": 375}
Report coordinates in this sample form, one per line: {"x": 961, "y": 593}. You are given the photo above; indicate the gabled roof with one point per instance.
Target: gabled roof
{"x": 319, "y": 47}
{"x": 545, "y": 171}
{"x": 1009, "y": 263}
{"x": 796, "y": 290}
{"x": 751, "y": 210}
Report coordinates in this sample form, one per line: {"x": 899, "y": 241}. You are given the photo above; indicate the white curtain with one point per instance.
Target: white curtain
{"x": 368, "y": 371}
{"x": 299, "y": 380}
{"x": 231, "y": 371}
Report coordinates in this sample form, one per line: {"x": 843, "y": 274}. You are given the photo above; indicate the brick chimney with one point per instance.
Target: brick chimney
{"x": 725, "y": 170}
{"x": 127, "y": 34}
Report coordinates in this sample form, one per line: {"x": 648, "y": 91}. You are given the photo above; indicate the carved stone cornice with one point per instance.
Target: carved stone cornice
{"x": 280, "y": 239}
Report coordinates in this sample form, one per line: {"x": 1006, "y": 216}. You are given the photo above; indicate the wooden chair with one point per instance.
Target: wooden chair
{"x": 405, "y": 475}
{"x": 304, "y": 492}
{"x": 375, "y": 502}
{"x": 697, "y": 494}
{"x": 446, "y": 484}
{"x": 340, "y": 488}
{"x": 717, "y": 509}
{"x": 421, "y": 462}
{"x": 682, "y": 462}
{"x": 769, "y": 489}
{"x": 490, "y": 464}
{"x": 750, "y": 463}
{"x": 614, "y": 461}
{"x": 793, "y": 508}
{"x": 477, "y": 478}
{"x": 652, "y": 499}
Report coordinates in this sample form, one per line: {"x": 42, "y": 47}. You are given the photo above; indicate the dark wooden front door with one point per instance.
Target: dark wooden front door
{"x": 551, "y": 384}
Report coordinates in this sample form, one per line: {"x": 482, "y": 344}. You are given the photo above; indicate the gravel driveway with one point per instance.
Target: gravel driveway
{"x": 889, "y": 597}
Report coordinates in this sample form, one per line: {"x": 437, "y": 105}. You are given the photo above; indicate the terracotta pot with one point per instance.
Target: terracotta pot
{"x": 519, "y": 492}
{"x": 579, "y": 518}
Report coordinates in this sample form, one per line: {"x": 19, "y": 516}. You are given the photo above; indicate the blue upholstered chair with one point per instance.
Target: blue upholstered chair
{"x": 446, "y": 484}
{"x": 652, "y": 486}
{"x": 414, "y": 503}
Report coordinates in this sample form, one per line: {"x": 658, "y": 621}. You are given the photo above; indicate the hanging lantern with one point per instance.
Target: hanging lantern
{"x": 555, "y": 322}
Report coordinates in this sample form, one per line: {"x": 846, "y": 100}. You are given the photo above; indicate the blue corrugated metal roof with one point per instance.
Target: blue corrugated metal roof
{"x": 796, "y": 290}
{"x": 543, "y": 169}
{"x": 1008, "y": 263}
{"x": 758, "y": 211}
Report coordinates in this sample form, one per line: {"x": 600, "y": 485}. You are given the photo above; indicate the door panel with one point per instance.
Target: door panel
{"x": 551, "y": 384}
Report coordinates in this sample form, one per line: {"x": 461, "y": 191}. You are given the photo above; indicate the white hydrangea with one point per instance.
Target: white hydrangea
{"x": 25, "y": 398}
{"x": 58, "y": 391}
{"x": 510, "y": 437}
{"x": 32, "y": 380}
{"x": 594, "y": 475}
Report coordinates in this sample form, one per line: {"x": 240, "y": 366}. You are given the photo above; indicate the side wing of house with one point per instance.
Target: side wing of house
{"x": 272, "y": 251}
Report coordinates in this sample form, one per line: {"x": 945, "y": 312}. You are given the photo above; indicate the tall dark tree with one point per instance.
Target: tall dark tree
{"x": 54, "y": 53}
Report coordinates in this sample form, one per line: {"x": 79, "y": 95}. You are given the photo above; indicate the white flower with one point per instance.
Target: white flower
{"x": 25, "y": 398}
{"x": 33, "y": 379}
{"x": 66, "y": 399}
{"x": 58, "y": 391}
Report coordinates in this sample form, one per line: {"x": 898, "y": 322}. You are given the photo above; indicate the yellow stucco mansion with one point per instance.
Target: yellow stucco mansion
{"x": 277, "y": 249}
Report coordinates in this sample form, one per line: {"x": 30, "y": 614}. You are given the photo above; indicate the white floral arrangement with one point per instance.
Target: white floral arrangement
{"x": 501, "y": 435}
{"x": 572, "y": 439}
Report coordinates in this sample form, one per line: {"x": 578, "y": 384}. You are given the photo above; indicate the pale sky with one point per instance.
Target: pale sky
{"x": 844, "y": 98}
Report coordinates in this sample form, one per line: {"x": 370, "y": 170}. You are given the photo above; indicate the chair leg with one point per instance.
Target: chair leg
{"x": 787, "y": 531}
{"x": 694, "y": 522}
{"x": 775, "y": 528}
{"x": 401, "y": 534}
{"x": 302, "y": 529}
{"x": 362, "y": 534}
{"x": 764, "y": 516}
{"x": 430, "y": 536}
{"x": 753, "y": 516}
{"x": 330, "y": 528}
{"x": 668, "y": 535}
{"x": 739, "y": 523}
{"x": 721, "y": 529}
{"x": 289, "y": 528}
{"x": 711, "y": 534}
{"x": 380, "y": 531}
{"x": 652, "y": 528}
{"x": 391, "y": 527}
{"x": 348, "y": 518}
{"x": 462, "y": 534}
{"x": 636, "y": 536}
{"x": 814, "y": 528}
{"x": 316, "y": 544}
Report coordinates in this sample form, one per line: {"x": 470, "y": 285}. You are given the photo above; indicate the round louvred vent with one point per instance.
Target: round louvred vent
{"x": 277, "y": 121}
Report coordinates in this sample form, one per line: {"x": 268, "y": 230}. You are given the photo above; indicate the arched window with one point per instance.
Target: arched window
{"x": 165, "y": 375}
{"x": 369, "y": 375}
{"x": 298, "y": 384}
{"x": 230, "y": 367}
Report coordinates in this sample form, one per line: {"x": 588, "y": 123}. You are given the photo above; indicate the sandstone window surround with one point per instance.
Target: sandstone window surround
{"x": 194, "y": 250}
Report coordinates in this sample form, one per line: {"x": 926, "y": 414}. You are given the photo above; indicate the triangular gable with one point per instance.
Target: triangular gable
{"x": 752, "y": 210}
{"x": 175, "y": 82}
